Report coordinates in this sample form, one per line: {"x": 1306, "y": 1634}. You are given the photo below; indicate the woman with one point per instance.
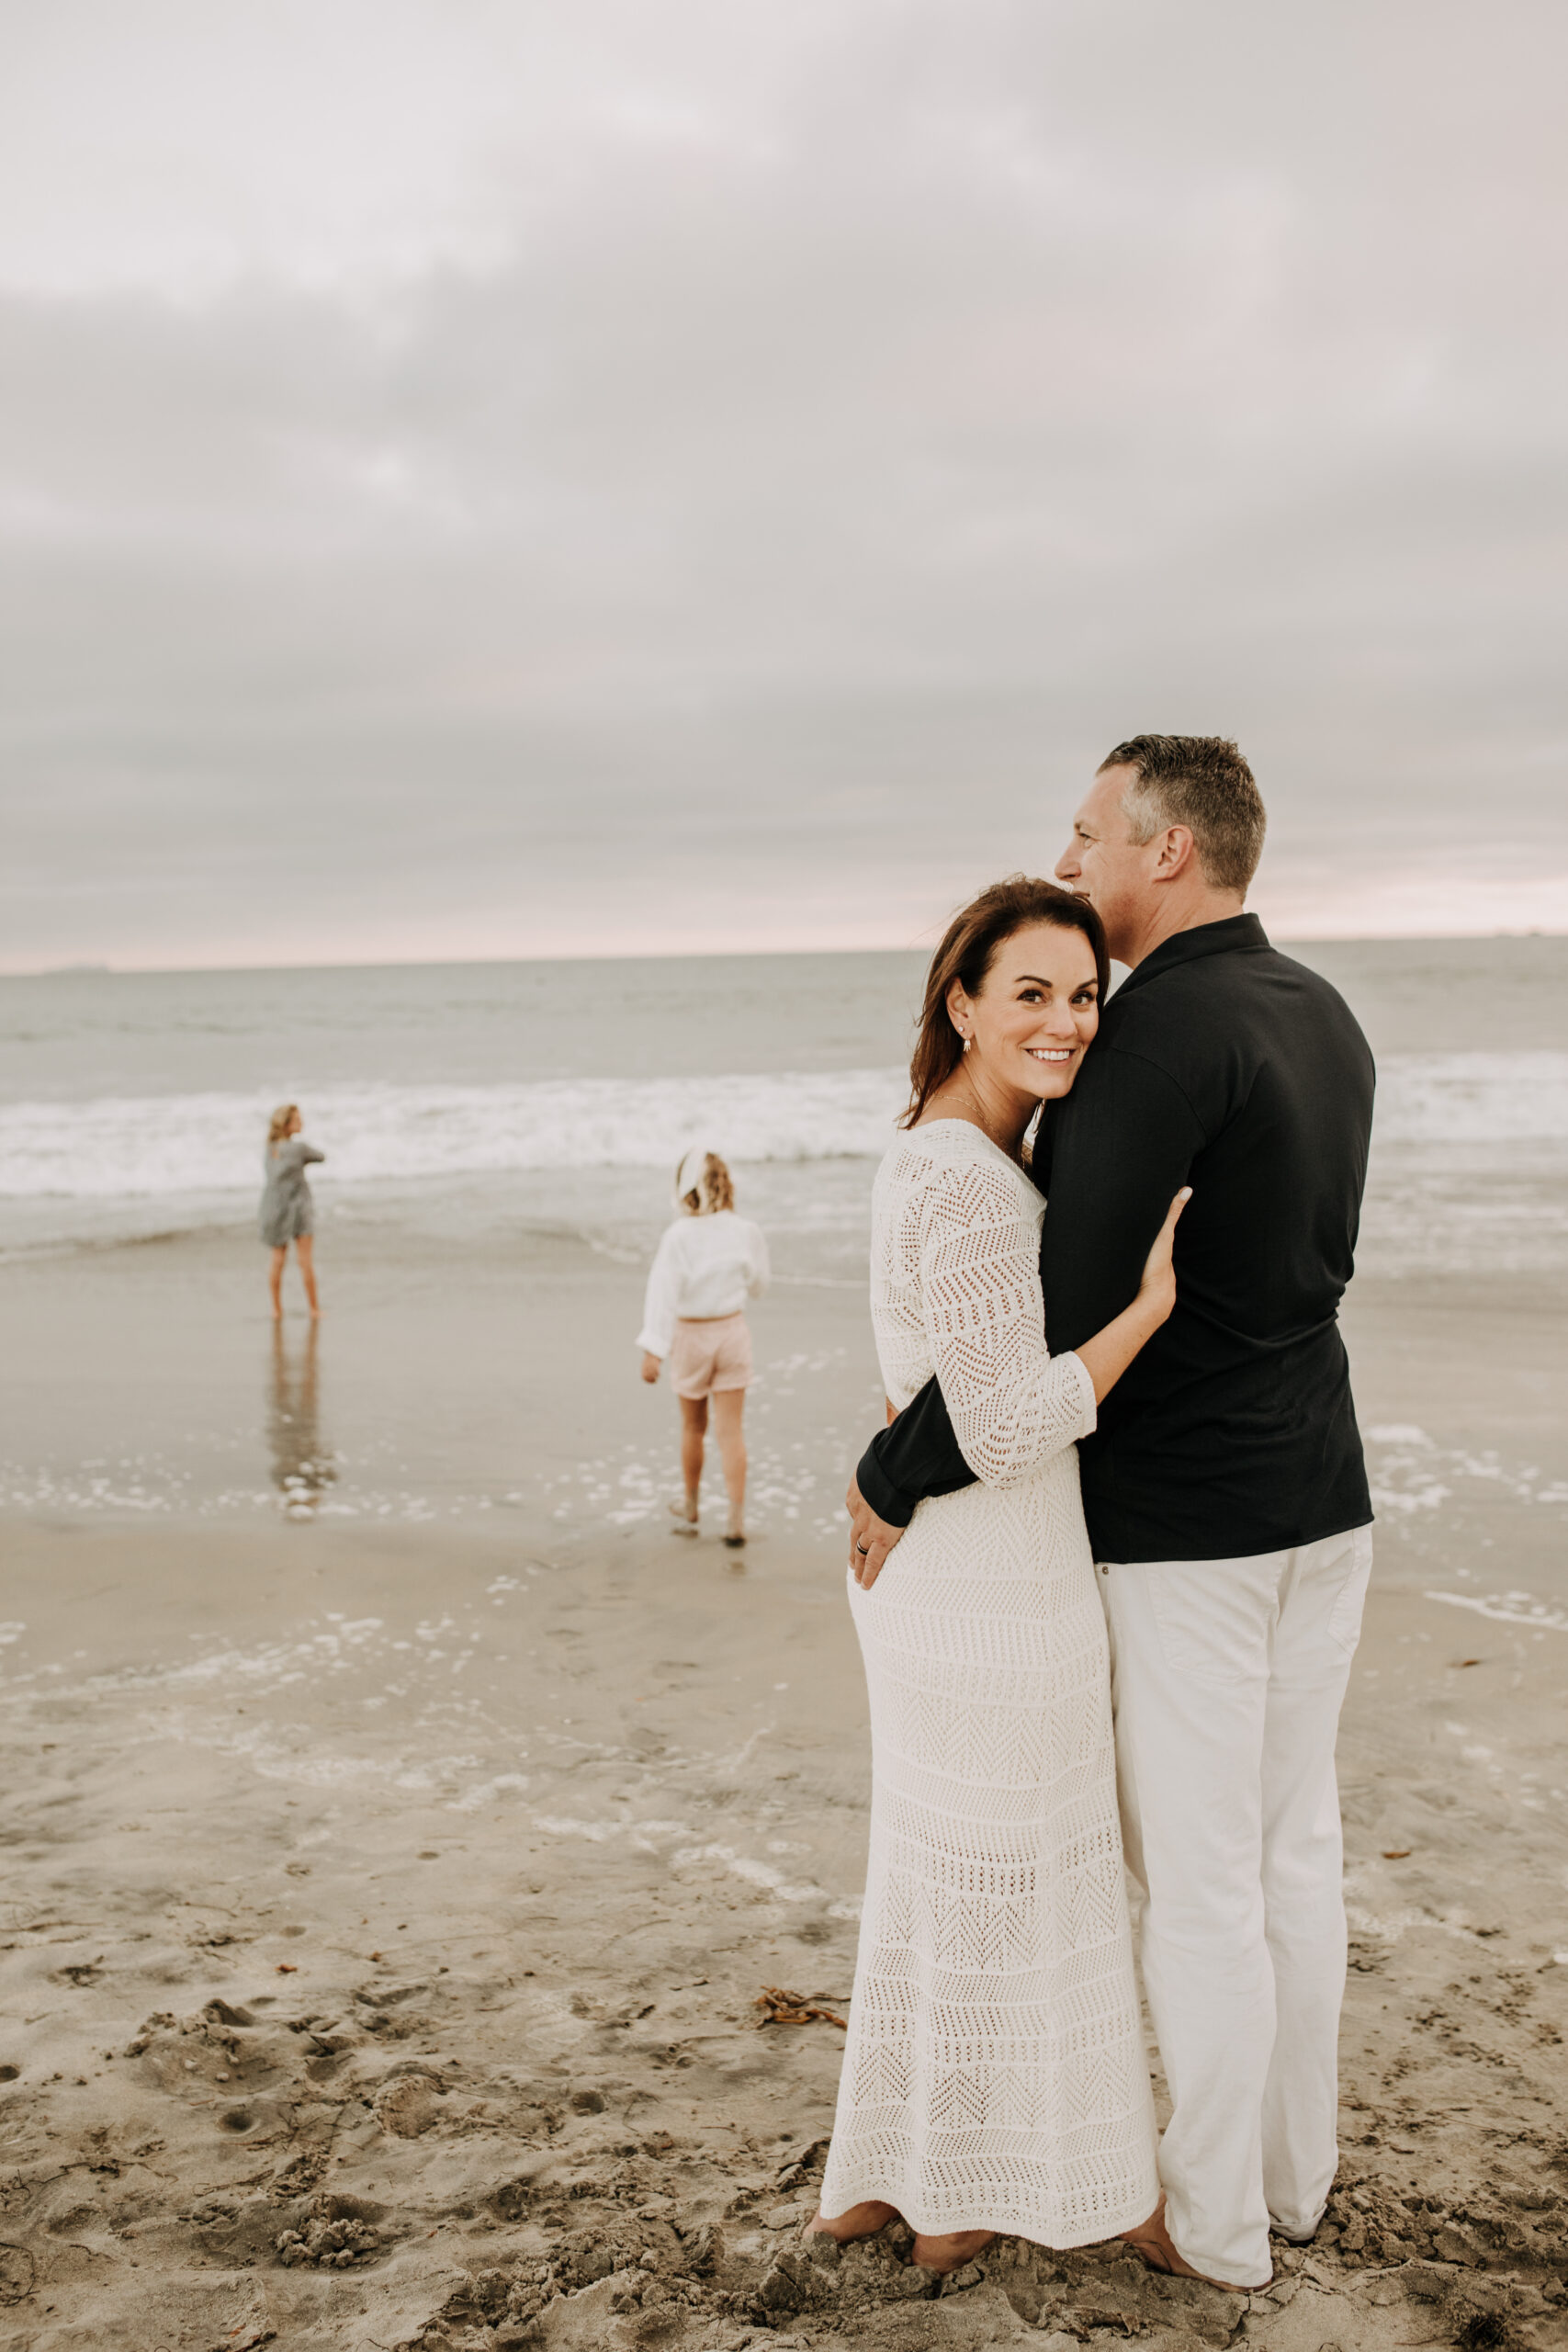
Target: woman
{"x": 994, "y": 2075}
{"x": 710, "y": 1263}
{"x": 287, "y": 1212}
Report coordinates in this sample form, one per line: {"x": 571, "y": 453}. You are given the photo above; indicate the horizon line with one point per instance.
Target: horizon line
{"x": 85, "y": 969}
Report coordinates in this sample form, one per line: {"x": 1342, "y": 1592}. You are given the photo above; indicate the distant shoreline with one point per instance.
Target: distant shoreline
{"x": 751, "y": 957}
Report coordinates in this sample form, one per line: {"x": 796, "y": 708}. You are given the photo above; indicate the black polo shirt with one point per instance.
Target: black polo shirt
{"x": 1222, "y": 1064}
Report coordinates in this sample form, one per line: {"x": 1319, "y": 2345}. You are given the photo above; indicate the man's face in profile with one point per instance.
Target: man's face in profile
{"x": 1103, "y": 863}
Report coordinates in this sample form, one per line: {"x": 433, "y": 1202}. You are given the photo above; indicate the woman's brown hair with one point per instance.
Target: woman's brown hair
{"x": 967, "y": 955}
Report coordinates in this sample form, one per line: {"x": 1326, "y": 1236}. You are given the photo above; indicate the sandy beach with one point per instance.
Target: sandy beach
{"x": 566, "y": 571}
{"x": 389, "y": 1894}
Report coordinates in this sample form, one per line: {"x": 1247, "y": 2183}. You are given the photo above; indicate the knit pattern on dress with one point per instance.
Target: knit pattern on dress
{"x": 994, "y": 2075}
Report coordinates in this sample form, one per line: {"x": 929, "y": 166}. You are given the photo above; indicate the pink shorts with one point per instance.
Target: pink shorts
{"x": 705, "y": 1357}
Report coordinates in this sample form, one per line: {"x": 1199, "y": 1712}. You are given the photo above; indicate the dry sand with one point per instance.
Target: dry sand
{"x": 388, "y": 1900}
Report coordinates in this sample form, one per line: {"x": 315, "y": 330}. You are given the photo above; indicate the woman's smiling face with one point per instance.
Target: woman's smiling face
{"x": 1036, "y": 1014}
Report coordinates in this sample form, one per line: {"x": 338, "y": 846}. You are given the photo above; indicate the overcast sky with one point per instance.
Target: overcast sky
{"x": 613, "y": 475}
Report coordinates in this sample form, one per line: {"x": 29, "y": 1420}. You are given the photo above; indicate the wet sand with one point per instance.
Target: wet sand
{"x": 389, "y": 1893}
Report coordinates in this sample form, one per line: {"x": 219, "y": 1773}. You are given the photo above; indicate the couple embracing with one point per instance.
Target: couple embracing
{"x": 1109, "y": 1560}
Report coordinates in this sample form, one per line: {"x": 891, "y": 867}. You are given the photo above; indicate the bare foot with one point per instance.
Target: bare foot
{"x": 860, "y": 2221}
{"x": 686, "y": 1518}
{"x": 950, "y": 2251}
{"x": 736, "y": 1538}
{"x": 1149, "y": 2238}
{"x": 1152, "y": 2241}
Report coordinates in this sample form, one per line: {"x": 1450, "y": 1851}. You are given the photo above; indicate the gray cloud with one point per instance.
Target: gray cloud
{"x": 495, "y": 480}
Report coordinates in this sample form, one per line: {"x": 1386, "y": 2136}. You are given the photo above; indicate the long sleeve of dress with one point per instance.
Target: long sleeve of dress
{"x": 661, "y": 1302}
{"x": 1012, "y": 1403}
{"x": 294, "y": 1155}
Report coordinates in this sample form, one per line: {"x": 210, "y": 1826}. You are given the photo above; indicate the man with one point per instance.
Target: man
{"x": 1223, "y": 1488}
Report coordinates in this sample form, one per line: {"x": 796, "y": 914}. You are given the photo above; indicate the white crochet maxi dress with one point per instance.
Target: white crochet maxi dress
{"x": 994, "y": 2075}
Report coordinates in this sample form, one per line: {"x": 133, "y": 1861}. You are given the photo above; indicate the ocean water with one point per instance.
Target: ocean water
{"x": 483, "y": 1095}
{"x": 507, "y": 1107}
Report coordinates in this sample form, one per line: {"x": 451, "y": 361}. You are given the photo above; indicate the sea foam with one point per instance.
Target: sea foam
{"x": 149, "y": 1146}
{"x": 154, "y": 1145}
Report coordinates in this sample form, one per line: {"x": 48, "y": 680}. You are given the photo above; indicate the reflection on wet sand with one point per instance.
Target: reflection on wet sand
{"x": 302, "y": 1466}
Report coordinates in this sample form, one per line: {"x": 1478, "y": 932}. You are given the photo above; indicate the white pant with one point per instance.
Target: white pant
{"x": 1228, "y": 1677}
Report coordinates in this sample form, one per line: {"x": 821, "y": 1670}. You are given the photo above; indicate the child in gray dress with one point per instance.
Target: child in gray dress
{"x": 287, "y": 1210}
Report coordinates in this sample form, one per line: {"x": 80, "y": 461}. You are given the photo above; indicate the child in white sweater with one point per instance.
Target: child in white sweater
{"x": 709, "y": 1262}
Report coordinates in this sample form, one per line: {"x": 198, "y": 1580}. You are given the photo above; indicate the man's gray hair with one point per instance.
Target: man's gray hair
{"x": 1202, "y": 782}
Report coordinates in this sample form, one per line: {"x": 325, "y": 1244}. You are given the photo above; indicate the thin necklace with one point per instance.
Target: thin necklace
{"x": 1013, "y": 1151}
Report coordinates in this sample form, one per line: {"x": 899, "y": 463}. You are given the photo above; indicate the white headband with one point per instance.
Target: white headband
{"x": 689, "y": 1175}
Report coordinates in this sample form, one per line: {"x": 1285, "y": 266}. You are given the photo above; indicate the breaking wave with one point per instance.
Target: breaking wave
{"x": 154, "y": 1145}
